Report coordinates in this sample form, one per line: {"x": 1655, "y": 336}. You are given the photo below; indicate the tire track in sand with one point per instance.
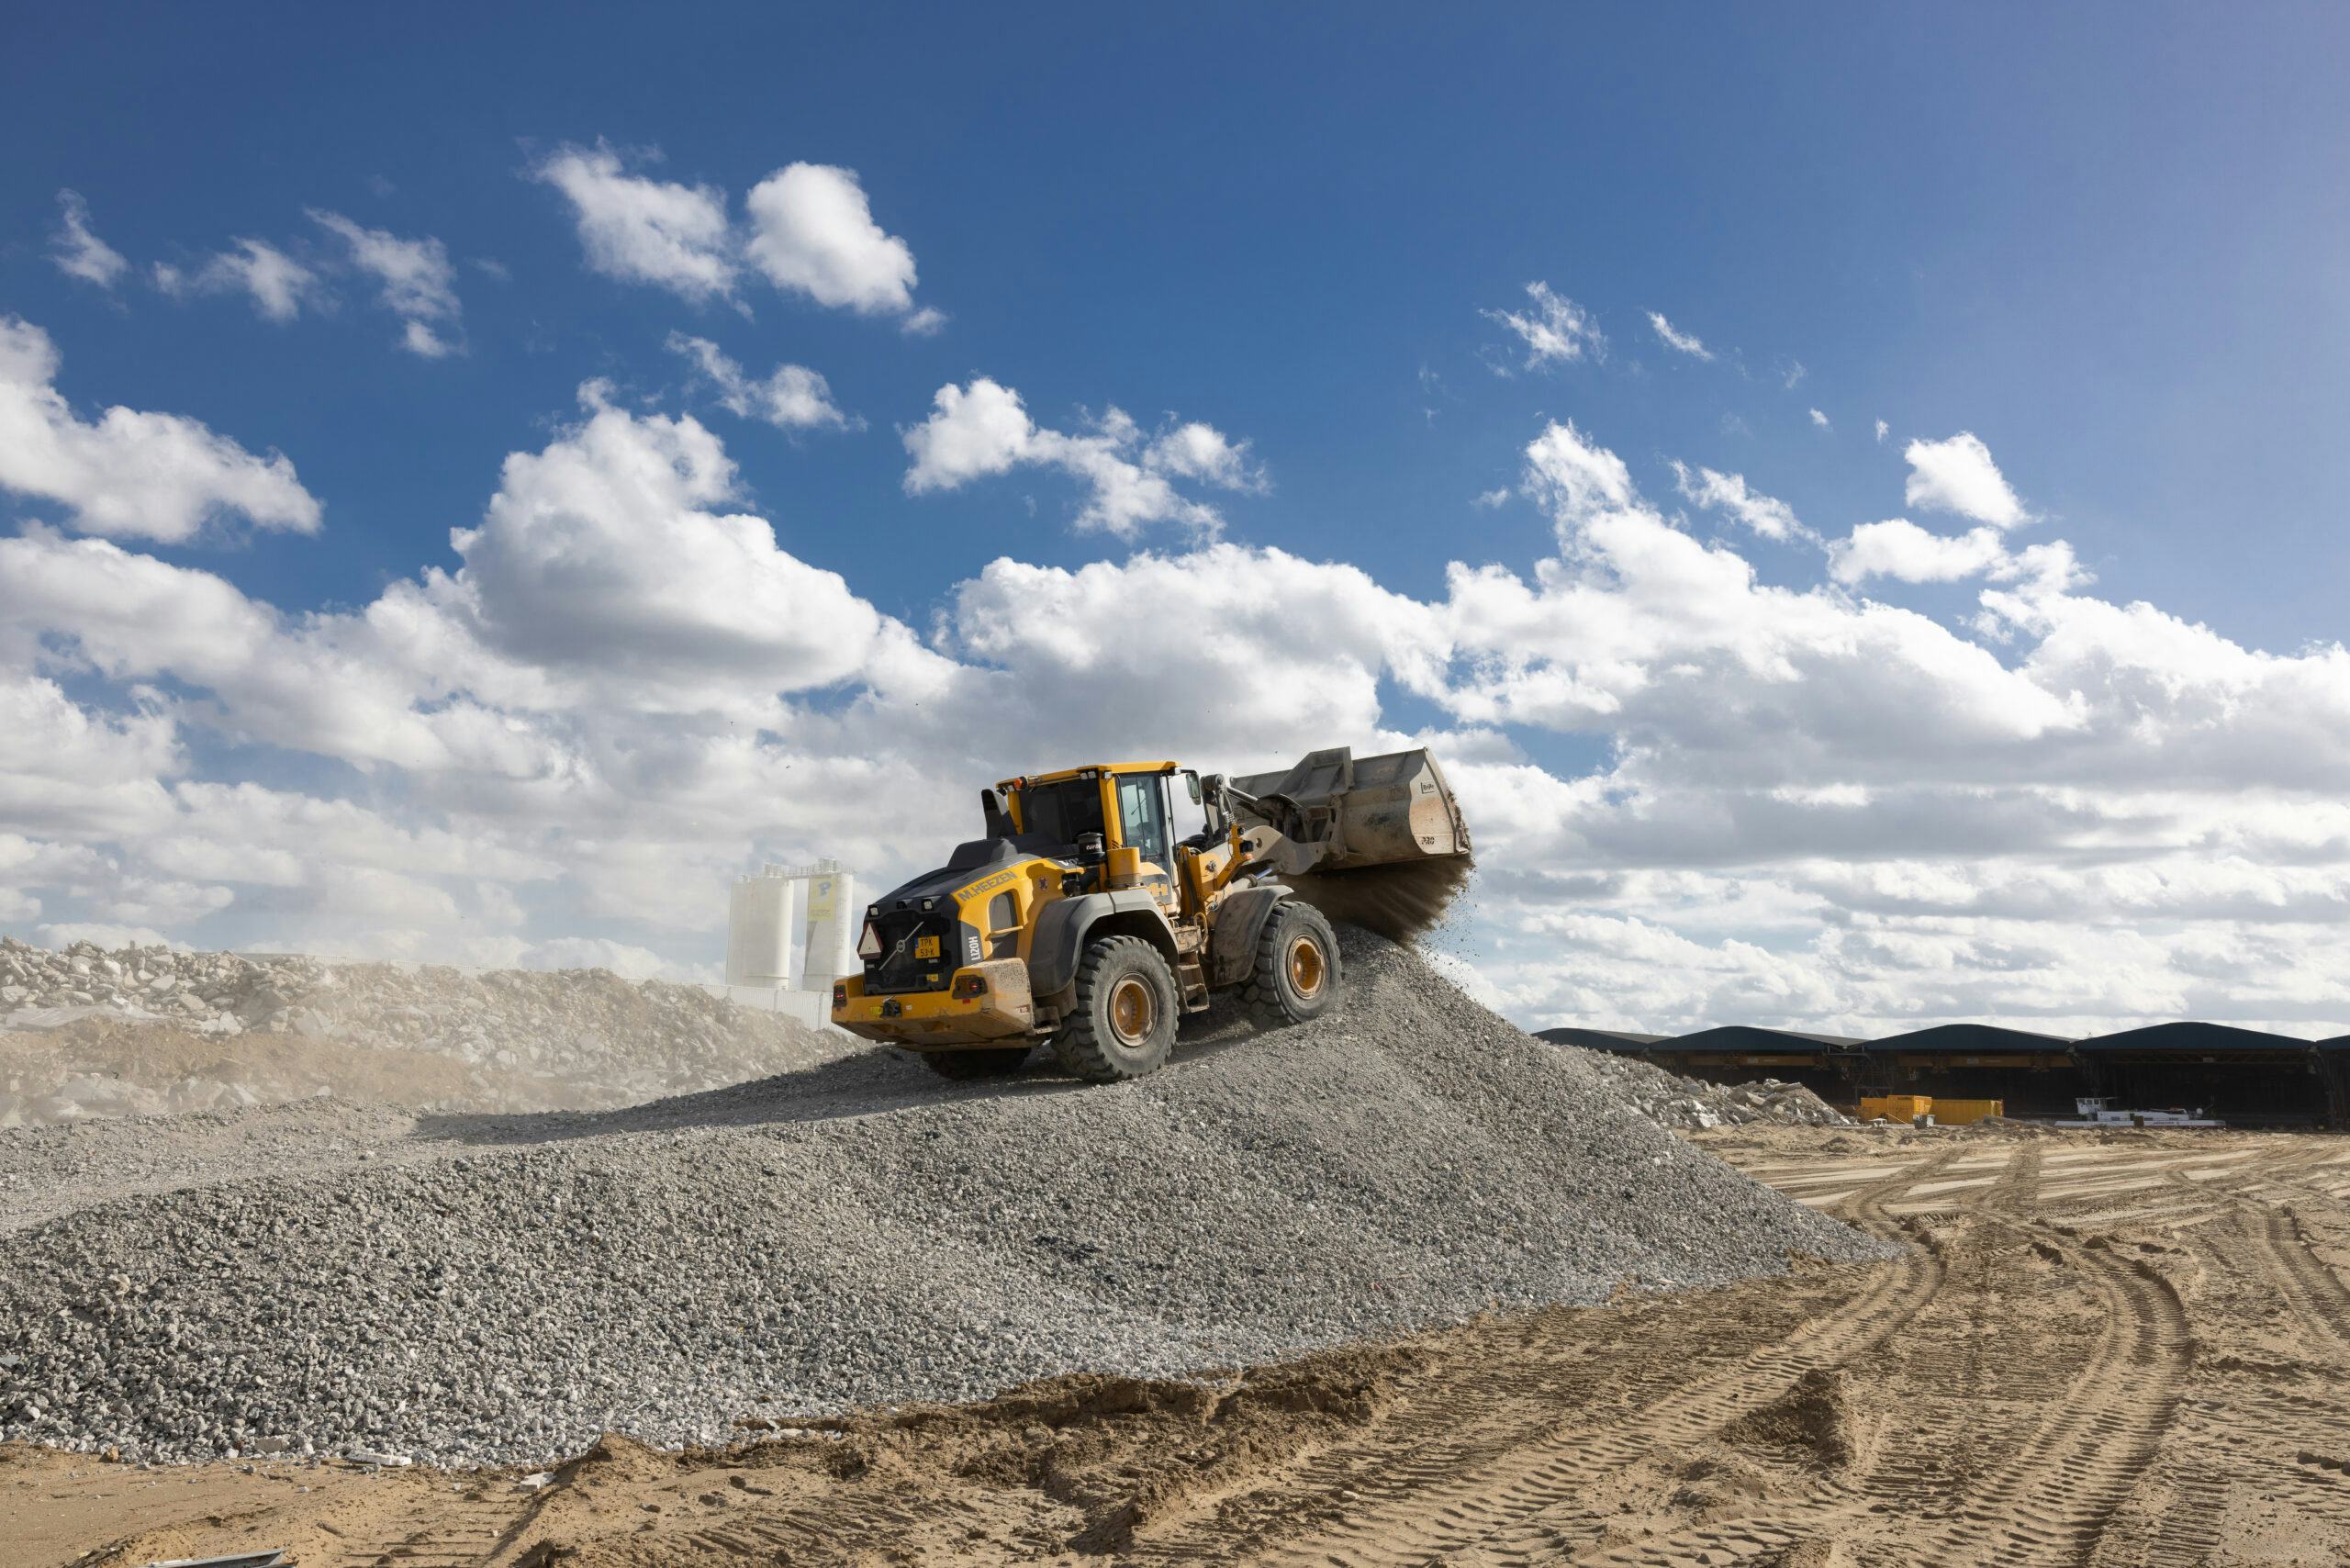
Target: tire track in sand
{"x": 1426, "y": 1510}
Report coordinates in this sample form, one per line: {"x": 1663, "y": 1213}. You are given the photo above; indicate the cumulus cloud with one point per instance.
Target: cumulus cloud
{"x": 640, "y": 230}
{"x": 130, "y": 473}
{"x": 1768, "y": 517}
{"x": 418, "y": 285}
{"x": 1820, "y": 420}
{"x": 811, "y": 232}
{"x": 279, "y": 287}
{"x": 792, "y": 397}
{"x": 1900, "y": 549}
{"x": 1802, "y": 804}
{"x": 808, "y": 229}
{"x": 983, "y": 428}
{"x": 1555, "y": 332}
{"x": 1958, "y": 475}
{"x": 1679, "y": 342}
{"x": 76, "y": 248}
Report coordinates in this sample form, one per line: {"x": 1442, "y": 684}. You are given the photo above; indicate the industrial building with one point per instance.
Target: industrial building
{"x": 790, "y": 933}
{"x": 2245, "y": 1077}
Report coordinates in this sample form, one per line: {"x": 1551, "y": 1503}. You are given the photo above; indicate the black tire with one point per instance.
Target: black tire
{"x": 982, "y": 1061}
{"x": 1297, "y": 977}
{"x": 1124, "y": 1022}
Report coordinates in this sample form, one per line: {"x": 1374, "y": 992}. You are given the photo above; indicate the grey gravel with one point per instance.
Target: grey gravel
{"x": 495, "y": 1289}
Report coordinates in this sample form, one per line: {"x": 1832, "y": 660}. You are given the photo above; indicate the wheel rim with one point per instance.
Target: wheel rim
{"x": 1307, "y": 968}
{"x": 1133, "y": 1010}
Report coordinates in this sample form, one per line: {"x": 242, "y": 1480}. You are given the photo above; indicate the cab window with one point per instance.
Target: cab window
{"x": 1141, "y": 817}
{"x": 1062, "y": 813}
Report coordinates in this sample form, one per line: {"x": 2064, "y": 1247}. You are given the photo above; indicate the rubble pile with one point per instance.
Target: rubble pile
{"x": 504, "y": 1289}
{"x": 148, "y": 1030}
{"x": 1685, "y": 1104}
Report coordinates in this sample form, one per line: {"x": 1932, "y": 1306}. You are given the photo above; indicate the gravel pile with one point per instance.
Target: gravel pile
{"x": 1687, "y": 1103}
{"x": 147, "y": 1031}
{"x": 493, "y": 1289}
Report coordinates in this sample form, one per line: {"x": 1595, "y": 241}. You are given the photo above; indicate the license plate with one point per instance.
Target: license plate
{"x": 925, "y": 946}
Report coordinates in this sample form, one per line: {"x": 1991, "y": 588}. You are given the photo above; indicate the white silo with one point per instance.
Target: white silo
{"x": 834, "y": 920}
{"x": 761, "y": 925}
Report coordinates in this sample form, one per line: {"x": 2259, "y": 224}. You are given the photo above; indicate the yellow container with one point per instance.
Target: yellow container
{"x": 1965, "y": 1113}
{"x": 1895, "y": 1107}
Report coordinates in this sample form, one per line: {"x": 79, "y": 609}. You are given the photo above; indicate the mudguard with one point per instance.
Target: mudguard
{"x": 1062, "y": 929}
{"x": 1238, "y": 918}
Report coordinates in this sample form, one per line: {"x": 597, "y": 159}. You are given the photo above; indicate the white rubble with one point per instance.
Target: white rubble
{"x": 150, "y": 1031}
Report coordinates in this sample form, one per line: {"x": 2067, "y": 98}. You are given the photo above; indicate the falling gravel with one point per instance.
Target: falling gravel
{"x": 476, "y": 1288}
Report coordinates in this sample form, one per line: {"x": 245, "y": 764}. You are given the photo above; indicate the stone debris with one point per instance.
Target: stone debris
{"x": 504, "y": 1289}
{"x": 1687, "y": 1104}
{"x": 149, "y": 1031}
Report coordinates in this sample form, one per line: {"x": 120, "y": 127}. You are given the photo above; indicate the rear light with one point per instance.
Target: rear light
{"x": 968, "y": 986}
{"x": 840, "y": 996}
{"x": 868, "y": 946}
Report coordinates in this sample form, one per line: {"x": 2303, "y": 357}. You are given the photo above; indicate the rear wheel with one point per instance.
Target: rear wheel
{"x": 1124, "y": 1022}
{"x": 1296, "y": 976}
{"x": 982, "y": 1062}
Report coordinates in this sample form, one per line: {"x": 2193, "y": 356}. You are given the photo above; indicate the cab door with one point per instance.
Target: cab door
{"x": 1143, "y": 827}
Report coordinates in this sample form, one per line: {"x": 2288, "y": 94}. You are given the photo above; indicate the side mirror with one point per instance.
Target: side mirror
{"x": 1192, "y": 783}
{"x": 1091, "y": 850}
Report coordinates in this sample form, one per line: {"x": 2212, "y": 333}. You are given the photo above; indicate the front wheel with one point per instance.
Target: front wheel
{"x": 1296, "y": 976}
{"x": 1124, "y": 1022}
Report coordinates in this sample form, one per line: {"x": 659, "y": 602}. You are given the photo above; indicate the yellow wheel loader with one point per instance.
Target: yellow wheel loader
{"x": 1079, "y": 919}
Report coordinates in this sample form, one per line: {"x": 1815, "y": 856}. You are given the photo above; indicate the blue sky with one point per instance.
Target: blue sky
{"x": 2105, "y": 241}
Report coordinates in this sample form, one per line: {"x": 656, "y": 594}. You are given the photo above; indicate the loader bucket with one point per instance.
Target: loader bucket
{"x": 1376, "y": 841}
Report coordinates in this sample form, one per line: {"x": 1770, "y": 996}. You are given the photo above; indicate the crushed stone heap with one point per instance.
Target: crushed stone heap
{"x": 1689, "y": 1105}
{"x": 144, "y": 1031}
{"x": 491, "y": 1289}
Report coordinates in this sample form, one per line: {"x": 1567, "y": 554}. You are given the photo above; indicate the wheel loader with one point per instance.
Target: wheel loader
{"x": 1077, "y": 918}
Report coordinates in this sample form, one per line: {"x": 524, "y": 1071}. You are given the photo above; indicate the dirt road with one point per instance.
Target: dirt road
{"x": 2100, "y": 1348}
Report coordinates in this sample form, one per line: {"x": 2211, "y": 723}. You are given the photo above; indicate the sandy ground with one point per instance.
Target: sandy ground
{"x": 2100, "y": 1348}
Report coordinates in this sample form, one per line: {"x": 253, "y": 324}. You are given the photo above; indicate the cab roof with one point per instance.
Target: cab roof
{"x": 1067, "y": 773}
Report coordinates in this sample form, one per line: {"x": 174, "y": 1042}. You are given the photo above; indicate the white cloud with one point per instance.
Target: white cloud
{"x": 984, "y": 429}
{"x": 1958, "y": 475}
{"x": 1496, "y": 498}
{"x": 811, "y": 232}
{"x": 66, "y": 770}
{"x": 604, "y": 562}
{"x": 76, "y": 248}
{"x": 1820, "y": 420}
{"x": 792, "y": 397}
{"x": 279, "y": 287}
{"x": 151, "y": 475}
{"x": 1770, "y": 518}
{"x": 1791, "y": 374}
{"x": 1556, "y": 332}
{"x": 1804, "y": 805}
{"x": 640, "y": 229}
{"x": 418, "y": 284}
{"x": 1900, "y": 549}
{"x": 808, "y": 229}
{"x": 1679, "y": 342}
{"x": 1883, "y": 429}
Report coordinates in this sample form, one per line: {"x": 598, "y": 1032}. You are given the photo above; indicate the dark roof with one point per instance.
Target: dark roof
{"x": 1751, "y": 1037}
{"x": 1988, "y": 1039}
{"x": 2190, "y": 1039}
{"x": 2339, "y": 1043}
{"x": 1596, "y": 1039}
